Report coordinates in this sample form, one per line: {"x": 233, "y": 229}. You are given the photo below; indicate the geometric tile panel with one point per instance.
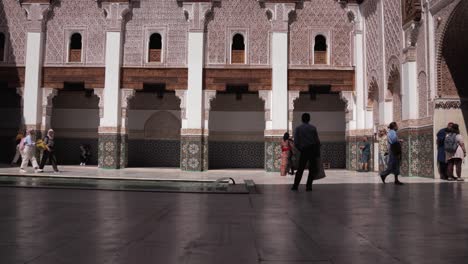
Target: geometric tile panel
{"x": 153, "y": 153}
{"x": 224, "y": 154}
{"x": 109, "y": 151}
{"x": 334, "y": 153}
{"x": 194, "y": 153}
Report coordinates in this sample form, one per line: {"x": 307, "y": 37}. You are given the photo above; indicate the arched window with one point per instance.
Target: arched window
{"x": 155, "y": 46}
{"x": 75, "y": 48}
{"x": 2, "y": 46}
{"x": 320, "y": 50}
{"x": 238, "y": 49}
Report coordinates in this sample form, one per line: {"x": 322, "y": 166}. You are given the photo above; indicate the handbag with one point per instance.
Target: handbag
{"x": 320, "y": 173}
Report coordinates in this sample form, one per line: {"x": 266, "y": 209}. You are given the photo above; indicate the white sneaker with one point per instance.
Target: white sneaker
{"x": 22, "y": 171}
{"x": 39, "y": 170}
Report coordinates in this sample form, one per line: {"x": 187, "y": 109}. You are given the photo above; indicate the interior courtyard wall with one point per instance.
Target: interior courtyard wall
{"x": 328, "y": 115}
{"x": 324, "y": 17}
{"x": 238, "y": 16}
{"x": 154, "y": 130}
{"x": 161, "y": 16}
{"x": 237, "y": 127}
{"x": 77, "y": 16}
{"x": 13, "y": 23}
{"x": 75, "y": 120}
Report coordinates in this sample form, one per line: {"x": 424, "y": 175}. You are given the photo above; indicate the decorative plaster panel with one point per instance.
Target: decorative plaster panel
{"x": 243, "y": 14}
{"x": 150, "y": 14}
{"x": 13, "y": 20}
{"x": 87, "y": 18}
{"x": 318, "y": 16}
{"x": 393, "y": 31}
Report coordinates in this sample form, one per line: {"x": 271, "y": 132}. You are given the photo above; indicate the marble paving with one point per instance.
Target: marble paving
{"x": 334, "y": 224}
{"x": 239, "y": 175}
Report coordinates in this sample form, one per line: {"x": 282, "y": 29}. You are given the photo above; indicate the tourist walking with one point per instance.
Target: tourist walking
{"x": 365, "y": 155}
{"x": 441, "y": 161}
{"x": 394, "y": 145}
{"x": 17, "y": 156}
{"x": 383, "y": 149}
{"x": 455, "y": 152}
{"x": 49, "y": 151}
{"x": 28, "y": 149}
{"x": 307, "y": 141}
{"x": 287, "y": 146}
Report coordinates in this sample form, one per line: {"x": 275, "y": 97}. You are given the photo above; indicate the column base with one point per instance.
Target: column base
{"x": 194, "y": 153}
{"x": 273, "y": 154}
{"x": 110, "y": 151}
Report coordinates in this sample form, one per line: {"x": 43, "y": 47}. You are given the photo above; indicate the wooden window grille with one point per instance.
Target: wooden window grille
{"x": 238, "y": 49}
{"x": 320, "y": 50}
{"x": 155, "y": 46}
{"x": 75, "y": 48}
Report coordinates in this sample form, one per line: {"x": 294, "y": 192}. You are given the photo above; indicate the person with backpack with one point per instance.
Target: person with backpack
{"x": 394, "y": 147}
{"x": 442, "y": 163}
{"x": 49, "y": 153}
{"x": 28, "y": 149}
{"x": 455, "y": 152}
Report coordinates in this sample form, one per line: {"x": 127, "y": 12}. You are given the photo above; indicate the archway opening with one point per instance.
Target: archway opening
{"x": 10, "y": 121}
{"x": 394, "y": 95}
{"x": 236, "y": 124}
{"x": 327, "y": 112}
{"x": 75, "y": 120}
{"x": 154, "y": 128}
{"x": 320, "y": 50}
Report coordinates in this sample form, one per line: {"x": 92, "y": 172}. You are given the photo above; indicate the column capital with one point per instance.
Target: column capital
{"x": 115, "y": 11}
{"x": 349, "y": 98}
{"x": 196, "y": 13}
{"x": 278, "y": 11}
{"x": 36, "y": 11}
{"x": 182, "y": 95}
{"x": 99, "y": 92}
{"x": 409, "y": 54}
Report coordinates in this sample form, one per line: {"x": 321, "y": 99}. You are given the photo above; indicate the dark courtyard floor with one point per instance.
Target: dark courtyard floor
{"x": 339, "y": 223}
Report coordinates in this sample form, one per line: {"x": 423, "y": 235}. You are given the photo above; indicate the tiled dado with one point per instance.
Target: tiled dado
{"x": 273, "y": 154}
{"x": 110, "y": 151}
{"x": 194, "y": 153}
{"x": 353, "y": 153}
{"x": 417, "y": 152}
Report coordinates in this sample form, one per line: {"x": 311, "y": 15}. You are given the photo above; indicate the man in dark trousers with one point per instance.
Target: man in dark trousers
{"x": 307, "y": 142}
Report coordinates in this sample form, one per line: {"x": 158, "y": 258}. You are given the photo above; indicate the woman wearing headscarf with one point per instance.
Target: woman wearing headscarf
{"x": 49, "y": 153}
{"x": 28, "y": 149}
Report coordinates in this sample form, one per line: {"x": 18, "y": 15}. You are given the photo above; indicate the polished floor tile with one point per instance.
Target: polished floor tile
{"x": 335, "y": 224}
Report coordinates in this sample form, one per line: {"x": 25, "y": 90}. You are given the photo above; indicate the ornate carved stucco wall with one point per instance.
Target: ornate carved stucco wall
{"x": 161, "y": 16}
{"x": 81, "y": 16}
{"x": 245, "y": 17}
{"x": 374, "y": 49}
{"x": 13, "y": 24}
{"x": 321, "y": 17}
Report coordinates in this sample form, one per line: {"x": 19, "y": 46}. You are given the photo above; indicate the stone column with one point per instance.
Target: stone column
{"x": 292, "y": 97}
{"x": 109, "y": 127}
{"x": 409, "y": 89}
{"x": 278, "y": 99}
{"x": 359, "y": 53}
{"x": 32, "y": 99}
{"x": 194, "y": 132}
{"x": 47, "y": 95}
{"x": 126, "y": 95}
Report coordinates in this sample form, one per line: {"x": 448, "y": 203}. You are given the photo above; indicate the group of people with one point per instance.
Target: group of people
{"x": 26, "y": 148}
{"x": 450, "y": 152}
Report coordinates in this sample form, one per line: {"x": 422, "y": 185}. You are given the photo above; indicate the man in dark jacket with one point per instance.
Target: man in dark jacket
{"x": 307, "y": 142}
{"x": 441, "y": 151}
